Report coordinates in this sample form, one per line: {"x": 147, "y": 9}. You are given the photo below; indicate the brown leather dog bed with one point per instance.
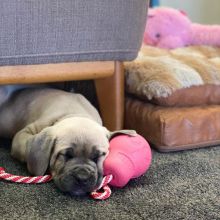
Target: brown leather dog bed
{"x": 174, "y": 128}
{"x": 174, "y": 96}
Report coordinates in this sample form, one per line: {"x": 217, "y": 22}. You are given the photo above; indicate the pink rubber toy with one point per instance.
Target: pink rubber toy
{"x": 129, "y": 157}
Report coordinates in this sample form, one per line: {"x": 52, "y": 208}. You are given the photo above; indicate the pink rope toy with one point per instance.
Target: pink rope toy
{"x": 97, "y": 194}
{"x": 106, "y": 189}
{"x": 23, "y": 179}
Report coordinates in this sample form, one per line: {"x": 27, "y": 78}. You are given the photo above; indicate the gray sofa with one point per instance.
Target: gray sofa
{"x": 45, "y": 31}
{"x": 62, "y": 31}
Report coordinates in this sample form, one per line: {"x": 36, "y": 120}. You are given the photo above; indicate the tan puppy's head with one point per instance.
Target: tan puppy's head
{"x": 74, "y": 150}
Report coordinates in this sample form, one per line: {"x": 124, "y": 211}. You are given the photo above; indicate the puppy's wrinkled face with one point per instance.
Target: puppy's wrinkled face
{"x": 78, "y": 172}
{"x": 79, "y": 153}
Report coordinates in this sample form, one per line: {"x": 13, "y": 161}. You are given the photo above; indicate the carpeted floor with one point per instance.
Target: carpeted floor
{"x": 183, "y": 185}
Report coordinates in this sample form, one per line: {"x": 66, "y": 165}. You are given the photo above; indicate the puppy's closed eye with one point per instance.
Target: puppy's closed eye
{"x": 96, "y": 154}
{"x": 67, "y": 154}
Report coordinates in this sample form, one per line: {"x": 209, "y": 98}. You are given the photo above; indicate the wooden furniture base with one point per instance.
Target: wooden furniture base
{"x": 108, "y": 76}
{"x": 110, "y": 94}
{"x": 55, "y": 72}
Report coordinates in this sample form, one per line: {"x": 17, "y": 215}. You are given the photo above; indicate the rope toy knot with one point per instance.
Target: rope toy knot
{"x": 106, "y": 193}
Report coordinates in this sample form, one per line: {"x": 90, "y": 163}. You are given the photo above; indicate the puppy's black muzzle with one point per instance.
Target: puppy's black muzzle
{"x": 83, "y": 176}
{"x": 78, "y": 179}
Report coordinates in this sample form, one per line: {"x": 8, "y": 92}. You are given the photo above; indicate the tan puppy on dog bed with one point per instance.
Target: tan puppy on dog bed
{"x": 56, "y": 130}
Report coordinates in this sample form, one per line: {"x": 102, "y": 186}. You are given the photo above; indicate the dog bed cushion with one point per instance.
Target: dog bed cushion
{"x": 174, "y": 128}
{"x": 187, "y": 76}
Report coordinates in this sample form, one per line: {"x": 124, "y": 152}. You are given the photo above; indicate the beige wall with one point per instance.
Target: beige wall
{"x": 200, "y": 11}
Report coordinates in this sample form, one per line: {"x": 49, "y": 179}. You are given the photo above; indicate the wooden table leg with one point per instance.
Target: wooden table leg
{"x": 110, "y": 94}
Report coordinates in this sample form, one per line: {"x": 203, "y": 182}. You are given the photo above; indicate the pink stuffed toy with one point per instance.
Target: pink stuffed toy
{"x": 170, "y": 28}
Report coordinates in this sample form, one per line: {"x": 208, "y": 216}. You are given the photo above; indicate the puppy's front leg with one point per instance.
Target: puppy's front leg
{"x": 21, "y": 139}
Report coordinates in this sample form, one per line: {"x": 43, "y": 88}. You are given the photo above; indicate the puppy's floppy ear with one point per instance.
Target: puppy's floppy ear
{"x": 112, "y": 134}
{"x": 41, "y": 147}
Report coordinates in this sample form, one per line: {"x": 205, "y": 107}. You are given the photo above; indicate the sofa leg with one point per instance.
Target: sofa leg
{"x": 110, "y": 94}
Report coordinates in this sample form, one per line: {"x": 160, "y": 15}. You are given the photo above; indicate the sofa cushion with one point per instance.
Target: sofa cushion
{"x": 174, "y": 128}
{"x": 180, "y": 77}
{"x": 51, "y": 31}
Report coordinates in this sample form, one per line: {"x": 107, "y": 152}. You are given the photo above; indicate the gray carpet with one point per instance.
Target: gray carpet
{"x": 183, "y": 185}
